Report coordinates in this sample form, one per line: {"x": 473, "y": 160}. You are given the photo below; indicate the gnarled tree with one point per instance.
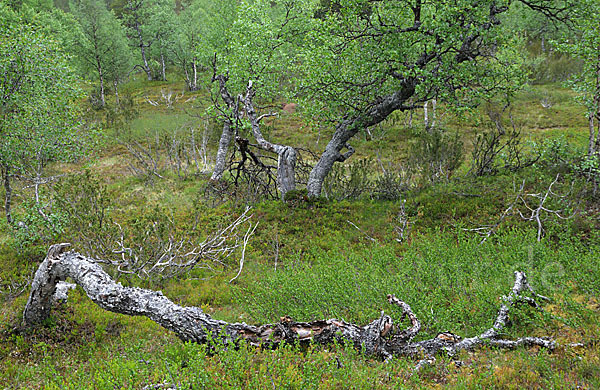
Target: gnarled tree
{"x": 367, "y": 59}
{"x": 381, "y": 337}
{"x": 245, "y": 70}
{"x": 354, "y": 63}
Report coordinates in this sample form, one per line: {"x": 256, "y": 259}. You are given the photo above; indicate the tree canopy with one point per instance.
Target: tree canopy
{"x": 38, "y": 89}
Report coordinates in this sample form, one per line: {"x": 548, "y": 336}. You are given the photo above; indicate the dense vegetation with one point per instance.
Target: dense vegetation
{"x": 389, "y": 147}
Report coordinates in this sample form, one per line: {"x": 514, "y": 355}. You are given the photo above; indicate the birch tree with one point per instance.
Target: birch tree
{"x": 203, "y": 29}
{"x": 102, "y": 49}
{"x": 163, "y": 25}
{"x": 38, "y": 115}
{"x": 364, "y": 60}
{"x": 151, "y": 25}
{"x": 355, "y": 62}
{"x": 586, "y": 47}
{"x": 245, "y": 72}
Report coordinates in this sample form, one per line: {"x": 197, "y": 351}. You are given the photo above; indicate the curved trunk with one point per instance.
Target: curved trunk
{"x": 143, "y": 47}
{"x": 145, "y": 60}
{"x": 286, "y": 160}
{"x": 348, "y": 127}
{"x": 380, "y": 337}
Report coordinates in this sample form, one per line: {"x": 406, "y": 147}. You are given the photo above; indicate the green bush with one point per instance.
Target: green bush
{"x": 437, "y": 153}
{"x": 348, "y": 181}
{"x": 35, "y": 225}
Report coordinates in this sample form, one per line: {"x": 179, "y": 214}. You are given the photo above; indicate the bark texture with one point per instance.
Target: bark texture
{"x": 286, "y": 160}
{"x": 243, "y": 106}
{"x": 381, "y": 337}
{"x": 227, "y": 134}
{"x": 221, "y": 159}
{"x": 350, "y": 126}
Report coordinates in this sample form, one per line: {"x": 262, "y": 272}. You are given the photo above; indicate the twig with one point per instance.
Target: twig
{"x": 249, "y": 233}
{"x": 360, "y": 230}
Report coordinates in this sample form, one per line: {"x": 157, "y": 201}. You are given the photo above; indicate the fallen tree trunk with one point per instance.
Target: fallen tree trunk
{"x": 381, "y": 337}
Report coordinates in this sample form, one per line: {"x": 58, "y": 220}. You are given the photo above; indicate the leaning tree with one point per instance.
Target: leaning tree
{"x": 364, "y": 59}
{"x": 355, "y": 62}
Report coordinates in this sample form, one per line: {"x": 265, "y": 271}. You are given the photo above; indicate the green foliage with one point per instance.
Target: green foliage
{"x": 436, "y": 153}
{"x": 325, "y": 267}
{"x": 261, "y": 45}
{"x": 85, "y": 201}
{"x": 390, "y": 186}
{"x": 348, "y": 181}
{"x": 584, "y": 46}
{"x": 205, "y": 29}
{"x": 152, "y": 27}
{"x": 35, "y": 226}
{"x": 101, "y": 49}
{"x": 364, "y": 51}
{"x": 460, "y": 279}
{"x": 544, "y": 63}
{"x": 557, "y": 155}
{"x": 39, "y": 117}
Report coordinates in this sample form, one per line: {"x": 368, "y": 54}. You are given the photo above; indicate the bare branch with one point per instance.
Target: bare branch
{"x": 247, "y": 236}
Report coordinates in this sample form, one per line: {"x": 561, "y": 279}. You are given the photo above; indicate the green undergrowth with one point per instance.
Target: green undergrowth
{"x": 451, "y": 282}
{"x": 444, "y": 276}
{"x": 325, "y": 258}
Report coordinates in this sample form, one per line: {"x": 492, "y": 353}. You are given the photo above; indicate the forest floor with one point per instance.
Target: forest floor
{"x": 411, "y": 236}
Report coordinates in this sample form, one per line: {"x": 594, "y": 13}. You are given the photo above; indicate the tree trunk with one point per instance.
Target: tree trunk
{"x": 142, "y": 47}
{"x": 191, "y": 80}
{"x": 8, "y": 193}
{"x": 101, "y": 77}
{"x": 195, "y": 68}
{"x": 116, "y": 87}
{"x": 348, "y": 127}
{"x": 102, "y": 99}
{"x": 381, "y": 337}
{"x": 286, "y": 160}
{"x": 163, "y": 67}
{"x": 286, "y": 170}
{"x": 146, "y": 66}
{"x": 595, "y": 115}
{"x": 227, "y": 133}
{"x": 221, "y": 159}
{"x": 592, "y": 140}
{"x": 429, "y": 117}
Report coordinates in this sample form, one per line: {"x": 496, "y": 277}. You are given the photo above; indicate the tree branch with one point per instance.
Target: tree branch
{"x": 380, "y": 337}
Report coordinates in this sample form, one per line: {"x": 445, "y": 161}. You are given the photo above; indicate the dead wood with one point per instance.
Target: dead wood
{"x": 382, "y": 337}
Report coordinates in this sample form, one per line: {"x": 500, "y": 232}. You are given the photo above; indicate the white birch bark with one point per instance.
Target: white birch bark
{"x": 380, "y": 337}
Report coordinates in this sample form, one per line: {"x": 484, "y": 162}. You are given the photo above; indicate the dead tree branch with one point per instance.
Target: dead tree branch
{"x": 247, "y": 236}
{"x": 402, "y": 229}
{"x": 381, "y": 337}
{"x": 158, "y": 257}
{"x": 532, "y": 207}
{"x": 167, "y": 98}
